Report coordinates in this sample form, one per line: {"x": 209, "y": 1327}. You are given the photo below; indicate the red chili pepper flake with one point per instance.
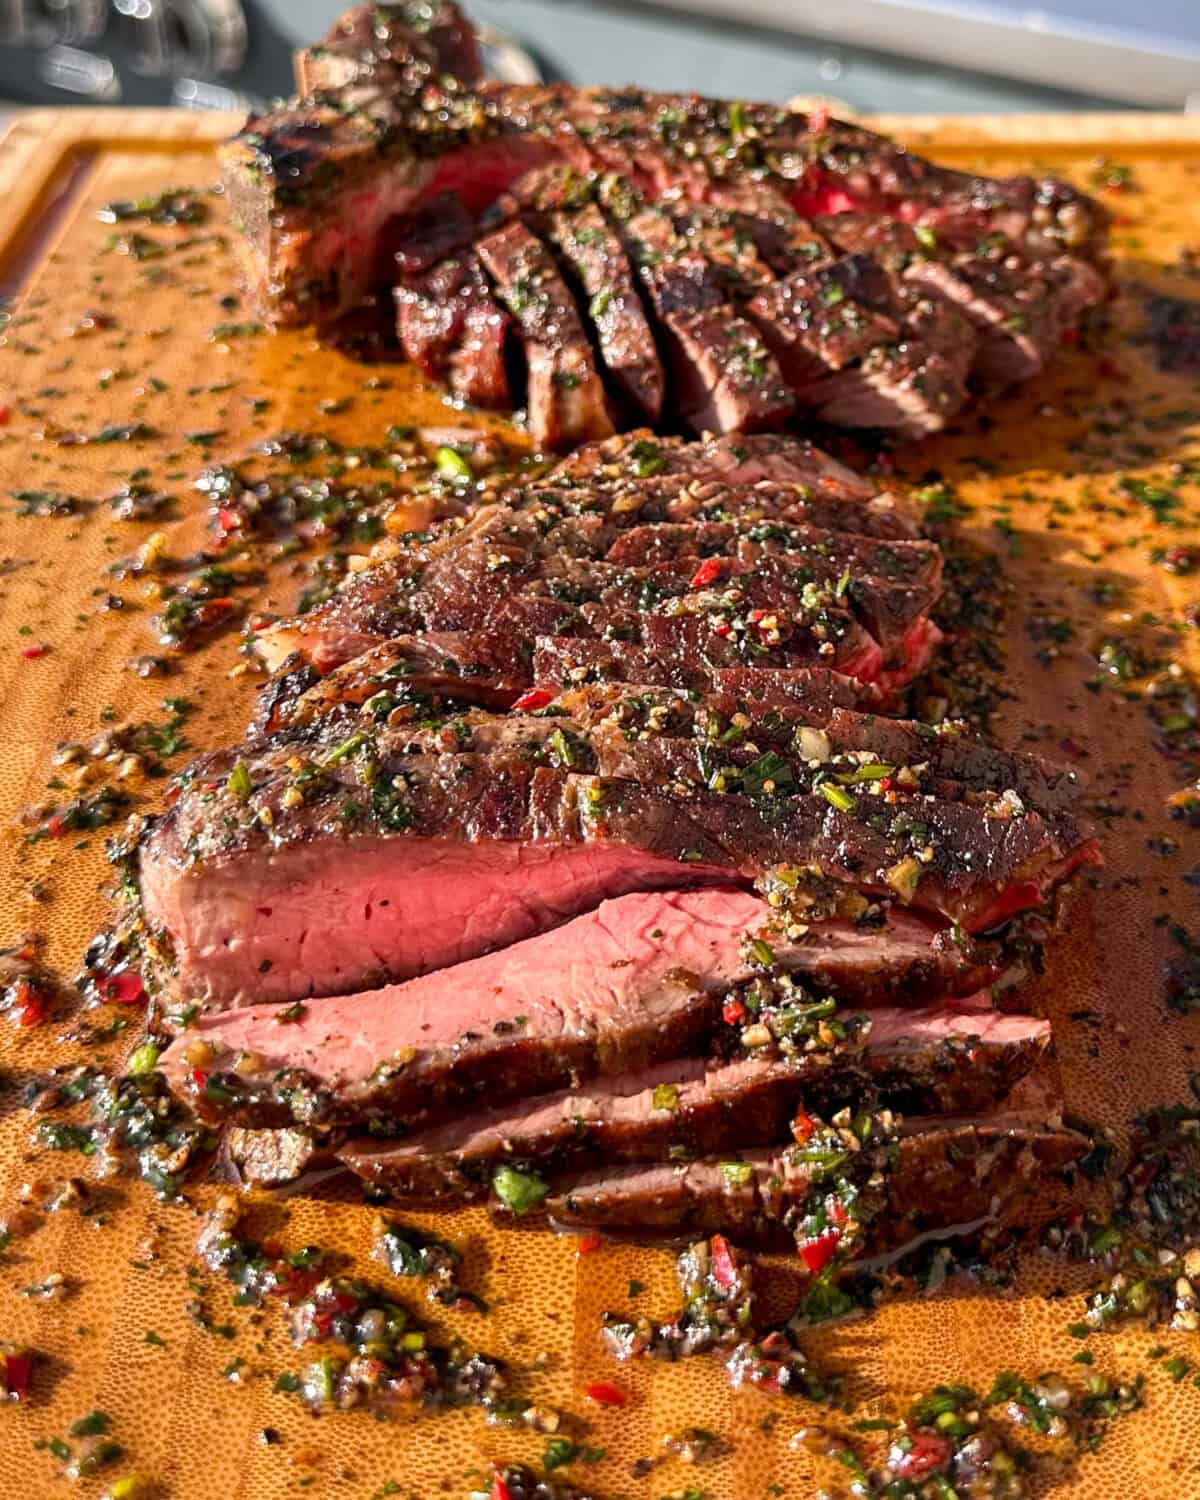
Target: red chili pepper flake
{"x": 802, "y": 1127}
{"x": 125, "y": 988}
{"x": 928, "y": 1452}
{"x": 724, "y": 1267}
{"x": 55, "y": 826}
{"x": 16, "y": 1374}
{"x": 734, "y": 1012}
{"x": 723, "y": 628}
{"x": 589, "y": 1243}
{"x": 817, "y": 1254}
{"x": 5, "y": 415}
{"x": 29, "y": 1003}
{"x": 534, "y": 698}
{"x": 708, "y": 572}
{"x": 31, "y": 653}
{"x": 500, "y": 1491}
{"x": 605, "y": 1394}
{"x": 200, "y": 1079}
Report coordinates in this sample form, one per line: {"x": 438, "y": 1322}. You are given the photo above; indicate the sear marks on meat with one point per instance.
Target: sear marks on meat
{"x": 566, "y": 399}
{"x": 942, "y": 1059}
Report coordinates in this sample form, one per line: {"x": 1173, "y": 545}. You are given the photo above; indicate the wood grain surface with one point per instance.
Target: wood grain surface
{"x": 94, "y": 339}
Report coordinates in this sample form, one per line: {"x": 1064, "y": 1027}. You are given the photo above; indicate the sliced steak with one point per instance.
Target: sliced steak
{"x": 948, "y": 1176}
{"x": 1021, "y": 311}
{"x": 451, "y": 326}
{"x": 739, "y": 458}
{"x": 827, "y": 552}
{"x": 724, "y": 377}
{"x": 359, "y": 886}
{"x": 283, "y": 871}
{"x": 563, "y": 662}
{"x": 784, "y": 240}
{"x": 815, "y": 733}
{"x": 566, "y": 399}
{"x": 592, "y": 251}
{"x": 628, "y": 984}
{"x": 945, "y": 1059}
{"x": 486, "y": 580}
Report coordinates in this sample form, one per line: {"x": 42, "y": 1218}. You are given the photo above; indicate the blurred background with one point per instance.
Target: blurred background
{"x": 875, "y": 55}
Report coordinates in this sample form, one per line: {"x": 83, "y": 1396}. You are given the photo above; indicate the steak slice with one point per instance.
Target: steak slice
{"x": 948, "y": 1176}
{"x": 563, "y": 662}
{"x": 784, "y": 240}
{"x": 826, "y": 552}
{"x": 566, "y": 399}
{"x": 619, "y": 988}
{"x": 358, "y": 885}
{"x": 741, "y": 458}
{"x": 451, "y": 327}
{"x": 361, "y": 617}
{"x": 1021, "y": 311}
{"x": 939, "y": 1059}
{"x": 485, "y": 580}
{"x": 284, "y": 870}
{"x": 847, "y": 343}
{"x": 814, "y": 733}
{"x": 384, "y": 42}
{"x": 592, "y": 251}
{"x": 724, "y": 379}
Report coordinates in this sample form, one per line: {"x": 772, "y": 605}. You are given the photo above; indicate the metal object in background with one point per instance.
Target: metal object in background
{"x": 1147, "y": 55}
{"x": 200, "y": 54}
{"x": 205, "y": 54}
{"x": 235, "y": 54}
{"x": 174, "y": 38}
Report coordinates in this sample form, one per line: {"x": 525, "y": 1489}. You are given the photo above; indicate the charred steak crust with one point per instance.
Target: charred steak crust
{"x": 946, "y": 1176}
{"x": 937, "y": 1061}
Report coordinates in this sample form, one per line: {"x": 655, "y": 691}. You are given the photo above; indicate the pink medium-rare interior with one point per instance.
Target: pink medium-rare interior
{"x": 311, "y": 920}
{"x": 591, "y": 971}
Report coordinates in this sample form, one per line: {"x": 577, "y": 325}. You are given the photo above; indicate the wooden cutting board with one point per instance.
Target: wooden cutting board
{"x": 93, "y": 340}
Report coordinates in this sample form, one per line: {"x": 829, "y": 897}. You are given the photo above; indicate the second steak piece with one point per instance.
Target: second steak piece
{"x": 566, "y": 399}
